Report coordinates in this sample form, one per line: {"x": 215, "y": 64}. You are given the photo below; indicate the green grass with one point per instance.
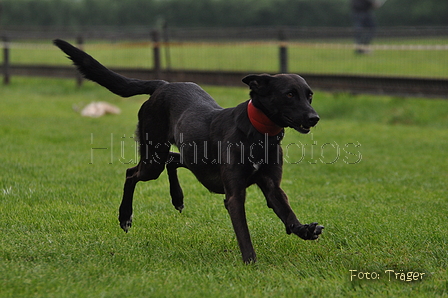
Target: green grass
{"x": 259, "y": 57}
{"x": 376, "y": 180}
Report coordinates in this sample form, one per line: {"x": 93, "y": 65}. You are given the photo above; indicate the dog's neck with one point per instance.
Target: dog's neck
{"x": 261, "y": 122}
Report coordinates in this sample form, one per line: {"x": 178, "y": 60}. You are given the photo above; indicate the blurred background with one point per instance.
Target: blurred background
{"x": 404, "y": 48}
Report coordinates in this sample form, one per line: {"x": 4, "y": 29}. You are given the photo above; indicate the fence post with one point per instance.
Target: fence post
{"x": 166, "y": 40}
{"x": 79, "y": 77}
{"x": 6, "y": 74}
{"x": 283, "y": 51}
{"x": 156, "y": 52}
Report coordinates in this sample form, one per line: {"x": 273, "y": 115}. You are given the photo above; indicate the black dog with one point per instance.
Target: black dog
{"x": 226, "y": 149}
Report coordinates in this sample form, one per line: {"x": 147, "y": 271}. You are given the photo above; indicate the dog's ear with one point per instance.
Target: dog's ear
{"x": 255, "y": 82}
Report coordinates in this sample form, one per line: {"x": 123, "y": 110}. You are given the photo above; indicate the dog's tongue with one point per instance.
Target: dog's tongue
{"x": 261, "y": 122}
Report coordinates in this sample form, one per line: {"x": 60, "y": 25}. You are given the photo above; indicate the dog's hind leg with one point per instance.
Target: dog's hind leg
{"x": 125, "y": 211}
{"x": 154, "y": 151}
{"x": 144, "y": 171}
{"x": 177, "y": 195}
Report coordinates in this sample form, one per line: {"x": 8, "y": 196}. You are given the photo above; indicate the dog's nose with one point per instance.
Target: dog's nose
{"x": 313, "y": 119}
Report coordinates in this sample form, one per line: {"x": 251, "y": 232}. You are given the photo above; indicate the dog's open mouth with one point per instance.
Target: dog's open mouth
{"x": 299, "y": 127}
{"x": 303, "y": 129}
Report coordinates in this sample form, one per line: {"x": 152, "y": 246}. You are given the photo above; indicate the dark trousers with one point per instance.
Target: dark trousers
{"x": 364, "y": 25}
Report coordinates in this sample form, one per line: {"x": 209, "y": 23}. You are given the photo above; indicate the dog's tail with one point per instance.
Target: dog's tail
{"x": 94, "y": 71}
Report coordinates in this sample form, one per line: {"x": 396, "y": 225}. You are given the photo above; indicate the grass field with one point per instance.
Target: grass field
{"x": 373, "y": 172}
{"x": 260, "y": 57}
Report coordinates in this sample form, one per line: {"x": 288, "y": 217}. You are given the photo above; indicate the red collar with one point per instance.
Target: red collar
{"x": 261, "y": 122}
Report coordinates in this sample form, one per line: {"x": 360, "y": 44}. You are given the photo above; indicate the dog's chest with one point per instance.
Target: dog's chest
{"x": 262, "y": 152}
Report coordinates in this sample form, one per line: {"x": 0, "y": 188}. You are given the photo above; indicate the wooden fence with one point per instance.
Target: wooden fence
{"x": 425, "y": 87}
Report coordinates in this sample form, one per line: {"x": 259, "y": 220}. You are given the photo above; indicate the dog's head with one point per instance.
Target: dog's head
{"x": 285, "y": 99}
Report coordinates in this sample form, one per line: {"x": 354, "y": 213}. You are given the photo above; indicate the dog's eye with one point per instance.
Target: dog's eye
{"x": 290, "y": 95}
{"x": 310, "y": 97}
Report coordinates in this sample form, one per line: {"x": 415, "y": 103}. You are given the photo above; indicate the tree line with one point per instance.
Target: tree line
{"x": 213, "y": 13}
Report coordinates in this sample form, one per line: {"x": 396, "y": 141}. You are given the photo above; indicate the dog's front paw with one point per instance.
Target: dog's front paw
{"x": 126, "y": 224}
{"x": 307, "y": 232}
{"x": 179, "y": 208}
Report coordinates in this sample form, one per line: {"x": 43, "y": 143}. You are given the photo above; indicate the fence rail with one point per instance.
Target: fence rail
{"x": 207, "y": 34}
{"x": 159, "y": 46}
{"x": 416, "y": 87}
